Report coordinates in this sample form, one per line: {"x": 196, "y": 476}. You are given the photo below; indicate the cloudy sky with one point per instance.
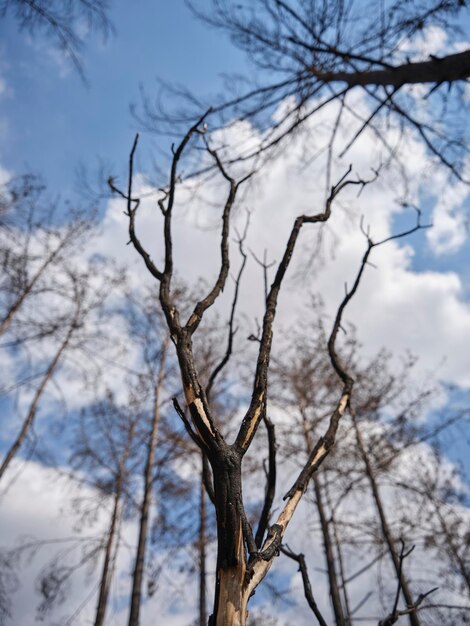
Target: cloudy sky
{"x": 415, "y": 297}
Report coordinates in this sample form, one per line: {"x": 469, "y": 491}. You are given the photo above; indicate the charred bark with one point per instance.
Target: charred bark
{"x": 447, "y": 69}
{"x": 202, "y": 553}
{"x": 230, "y": 602}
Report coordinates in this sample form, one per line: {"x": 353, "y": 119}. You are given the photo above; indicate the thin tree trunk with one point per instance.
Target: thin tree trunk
{"x": 339, "y": 552}
{"x": 136, "y": 596}
{"x": 112, "y": 545}
{"x": 28, "y": 422}
{"x": 386, "y": 532}
{"x": 327, "y": 542}
{"x": 105, "y": 574}
{"x": 202, "y": 554}
{"x": 329, "y": 555}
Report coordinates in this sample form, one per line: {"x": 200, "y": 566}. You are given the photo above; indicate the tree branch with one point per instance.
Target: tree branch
{"x": 300, "y": 559}
{"x": 437, "y": 70}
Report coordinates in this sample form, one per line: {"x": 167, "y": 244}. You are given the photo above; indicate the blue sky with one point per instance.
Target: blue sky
{"x": 51, "y": 122}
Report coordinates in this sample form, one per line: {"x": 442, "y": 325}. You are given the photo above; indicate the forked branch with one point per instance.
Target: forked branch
{"x": 396, "y": 613}
{"x": 271, "y": 546}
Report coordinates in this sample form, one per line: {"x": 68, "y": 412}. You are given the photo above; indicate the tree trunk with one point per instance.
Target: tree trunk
{"x": 436, "y": 70}
{"x": 105, "y": 574}
{"x": 329, "y": 555}
{"x": 202, "y": 554}
{"x": 136, "y": 596}
{"x": 342, "y": 572}
{"x": 230, "y": 606}
{"x": 28, "y": 422}
{"x": 327, "y": 542}
{"x": 230, "y": 602}
{"x": 339, "y": 556}
{"x": 386, "y": 532}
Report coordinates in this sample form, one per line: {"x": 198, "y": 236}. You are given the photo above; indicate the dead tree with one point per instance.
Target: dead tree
{"x": 362, "y": 472}
{"x": 446, "y": 529}
{"x": 241, "y": 564}
{"x": 76, "y": 303}
{"x": 151, "y": 444}
{"x": 107, "y": 448}
{"x": 32, "y": 245}
{"x": 390, "y": 541}
{"x": 202, "y": 540}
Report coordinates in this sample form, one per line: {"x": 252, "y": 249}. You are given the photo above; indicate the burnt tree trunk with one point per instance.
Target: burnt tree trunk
{"x": 202, "y": 554}
{"x": 230, "y": 602}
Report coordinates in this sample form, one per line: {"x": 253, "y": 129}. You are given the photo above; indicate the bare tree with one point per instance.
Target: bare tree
{"x": 108, "y": 448}
{"x": 33, "y": 243}
{"x": 151, "y": 444}
{"x": 76, "y": 302}
{"x": 358, "y": 477}
{"x": 105, "y": 450}
{"x": 439, "y": 492}
{"x": 397, "y": 559}
{"x": 241, "y": 565}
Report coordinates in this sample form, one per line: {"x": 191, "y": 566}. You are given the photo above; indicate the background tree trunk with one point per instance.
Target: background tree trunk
{"x": 106, "y": 573}
{"x": 202, "y": 554}
{"x": 28, "y": 421}
{"x": 386, "y": 532}
{"x": 136, "y": 595}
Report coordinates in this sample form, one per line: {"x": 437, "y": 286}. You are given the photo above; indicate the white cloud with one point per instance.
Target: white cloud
{"x": 39, "y": 505}
{"x": 432, "y": 40}
{"x": 31, "y": 508}
{"x": 5, "y": 175}
{"x": 449, "y": 232}
{"x": 396, "y": 307}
